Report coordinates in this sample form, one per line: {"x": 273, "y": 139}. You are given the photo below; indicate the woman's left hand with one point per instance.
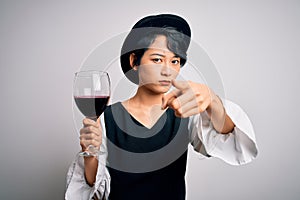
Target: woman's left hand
{"x": 188, "y": 98}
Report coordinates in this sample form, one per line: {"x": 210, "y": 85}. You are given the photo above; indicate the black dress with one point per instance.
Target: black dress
{"x": 146, "y": 164}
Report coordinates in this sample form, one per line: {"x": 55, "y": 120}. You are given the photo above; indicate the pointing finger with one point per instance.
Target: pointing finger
{"x": 181, "y": 85}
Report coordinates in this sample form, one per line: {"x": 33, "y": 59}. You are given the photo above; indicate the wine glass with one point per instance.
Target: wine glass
{"x": 91, "y": 94}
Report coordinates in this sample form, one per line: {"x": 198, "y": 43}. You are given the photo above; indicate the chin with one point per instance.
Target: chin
{"x": 163, "y": 89}
{"x": 157, "y": 89}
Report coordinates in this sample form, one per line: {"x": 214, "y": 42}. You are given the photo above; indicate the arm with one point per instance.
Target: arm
{"x": 90, "y": 134}
{"x": 208, "y": 118}
{"x": 219, "y": 118}
{"x": 236, "y": 148}
{"x": 90, "y": 169}
{"x": 89, "y": 178}
{"x": 77, "y": 187}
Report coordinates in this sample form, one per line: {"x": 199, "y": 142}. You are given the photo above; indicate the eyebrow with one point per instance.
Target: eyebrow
{"x": 158, "y": 54}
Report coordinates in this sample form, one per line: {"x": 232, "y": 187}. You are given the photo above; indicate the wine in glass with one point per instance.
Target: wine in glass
{"x": 91, "y": 95}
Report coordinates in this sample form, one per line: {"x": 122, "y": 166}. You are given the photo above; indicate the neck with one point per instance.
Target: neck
{"x": 145, "y": 98}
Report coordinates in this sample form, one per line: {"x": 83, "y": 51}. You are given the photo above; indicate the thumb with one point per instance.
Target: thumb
{"x": 98, "y": 122}
{"x": 168, "y": 98}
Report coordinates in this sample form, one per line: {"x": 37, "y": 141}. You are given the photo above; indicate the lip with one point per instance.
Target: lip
{"x": 165, "y": 82}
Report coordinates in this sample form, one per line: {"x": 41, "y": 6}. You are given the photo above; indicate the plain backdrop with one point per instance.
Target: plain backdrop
{"x": 253, "y": 44}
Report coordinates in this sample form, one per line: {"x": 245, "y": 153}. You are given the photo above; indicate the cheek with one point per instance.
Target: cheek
{"x": 175, "y": 75}
{"x": 149, "y": 71}
{"x": 175, "y": 72}
{"x": 148, "y": 74}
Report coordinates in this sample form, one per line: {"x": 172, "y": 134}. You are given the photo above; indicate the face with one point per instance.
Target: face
{"x": 158, "y": 66}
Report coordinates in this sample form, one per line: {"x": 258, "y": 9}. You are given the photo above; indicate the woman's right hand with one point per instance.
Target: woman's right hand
{"x": 90, "y": 134}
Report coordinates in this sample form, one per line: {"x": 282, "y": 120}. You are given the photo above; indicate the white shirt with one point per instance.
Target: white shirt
{"x": 236, "y": 148}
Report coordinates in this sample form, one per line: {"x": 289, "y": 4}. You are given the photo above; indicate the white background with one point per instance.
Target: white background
{"x": 253, "y": 44}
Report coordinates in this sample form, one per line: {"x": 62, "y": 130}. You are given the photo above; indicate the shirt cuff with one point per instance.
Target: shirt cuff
{"x": 235, "y": 148}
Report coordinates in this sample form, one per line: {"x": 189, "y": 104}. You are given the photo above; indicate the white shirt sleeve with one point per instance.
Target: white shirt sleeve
{"x": 77, "y": 187}
{"x": 236, "y": 148}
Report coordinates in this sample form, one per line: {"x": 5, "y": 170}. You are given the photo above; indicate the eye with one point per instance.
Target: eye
{"x": 176, "y": 62}
{"x": 157, "y": 60}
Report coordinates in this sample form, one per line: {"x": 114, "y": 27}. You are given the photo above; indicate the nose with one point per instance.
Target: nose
{"x": 166, "y": 70}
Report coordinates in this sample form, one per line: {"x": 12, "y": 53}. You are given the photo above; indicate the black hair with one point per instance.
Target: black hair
{"x": 176, "y": 42}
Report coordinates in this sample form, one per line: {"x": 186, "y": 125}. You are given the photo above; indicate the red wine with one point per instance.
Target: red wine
{"x": 91, "y": 106}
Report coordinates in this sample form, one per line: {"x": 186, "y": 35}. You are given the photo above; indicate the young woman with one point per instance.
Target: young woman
{"x": 145, "y": 138}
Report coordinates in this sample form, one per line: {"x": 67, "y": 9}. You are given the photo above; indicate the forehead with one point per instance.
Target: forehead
{"x": 160, "y": 44}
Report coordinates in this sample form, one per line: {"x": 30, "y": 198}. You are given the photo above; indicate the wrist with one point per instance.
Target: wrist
{"x": 88, "y": 160}
{"x": 215, "y": 105}
{"x": 90, "y": 169}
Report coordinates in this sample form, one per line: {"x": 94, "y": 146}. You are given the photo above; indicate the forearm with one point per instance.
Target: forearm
{"x": 90, "y": 169}
{"x": 220, "y": 120}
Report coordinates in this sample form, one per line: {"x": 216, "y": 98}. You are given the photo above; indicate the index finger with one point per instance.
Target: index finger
{"x": 90, "y": 122}
{"x": 181, "y": 85}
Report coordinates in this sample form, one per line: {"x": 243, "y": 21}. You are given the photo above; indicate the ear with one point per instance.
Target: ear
{"x": 132, "y": 61}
